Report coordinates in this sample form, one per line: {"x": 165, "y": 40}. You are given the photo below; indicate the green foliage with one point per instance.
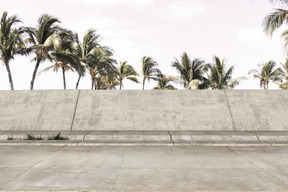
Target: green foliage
{"x": 58, "y": 137}
{"x": 10, "y": 137}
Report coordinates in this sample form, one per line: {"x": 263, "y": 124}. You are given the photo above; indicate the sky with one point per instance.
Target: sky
{"x": 161, "y": 29}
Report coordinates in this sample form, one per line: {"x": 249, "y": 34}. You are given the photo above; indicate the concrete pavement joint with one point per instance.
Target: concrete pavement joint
{"x": 171, "y": 138}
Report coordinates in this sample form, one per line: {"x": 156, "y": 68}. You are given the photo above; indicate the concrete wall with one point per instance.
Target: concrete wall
{"x": 207, "y": 110}
{"x": 37, "y": 110}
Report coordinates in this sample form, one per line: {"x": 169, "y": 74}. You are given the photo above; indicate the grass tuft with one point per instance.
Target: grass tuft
{"x": 32, "y": 137}
{"x": 58, "y": 137}
{"x": 10, "y": 137}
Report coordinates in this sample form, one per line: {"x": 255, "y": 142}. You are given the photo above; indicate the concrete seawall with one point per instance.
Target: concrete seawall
{"x": 181, "y": 110}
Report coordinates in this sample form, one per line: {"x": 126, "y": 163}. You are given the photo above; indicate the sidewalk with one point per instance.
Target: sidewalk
{"x": 143, "y": 168}
{"x": 169, "y": 138}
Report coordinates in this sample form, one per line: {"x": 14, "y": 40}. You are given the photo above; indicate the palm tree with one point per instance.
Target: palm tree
{"x": 94, "y": 58}
{"x": 220, "y": 78}
{"x": 164, "y": 82}
{"x": 64, "y": 55}
{"x": 43, "y": 40}
{"x": 110, "y": 82}
{"x": 100, "y": 64}
{"x": 267, "y": 73}
{"x": 148, "y": 69}
{"x": 284, "y": 85}
{"x": 189, "y": 70}
{"x": 11, "y": 42}
{"x": 125, "y": 71}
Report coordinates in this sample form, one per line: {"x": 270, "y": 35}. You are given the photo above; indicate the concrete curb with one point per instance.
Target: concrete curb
{"x": 147, "y": 138}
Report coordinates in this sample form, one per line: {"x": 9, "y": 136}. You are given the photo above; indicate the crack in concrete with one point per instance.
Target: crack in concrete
{"x": 230, "y": 111}
{"x": 247, "y": 159}
{"x": 76, "y": 105}
{"x": 86, "y": 134}
{"x": 29, "y": 168}
{"x": 171, "y": 138}
{"x": 122, "y": 161}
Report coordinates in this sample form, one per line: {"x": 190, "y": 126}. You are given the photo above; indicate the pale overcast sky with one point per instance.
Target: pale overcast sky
{"x": 161, "y": 29}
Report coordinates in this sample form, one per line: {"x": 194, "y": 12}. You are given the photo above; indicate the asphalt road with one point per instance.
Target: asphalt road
{"x": 143, "y": 168}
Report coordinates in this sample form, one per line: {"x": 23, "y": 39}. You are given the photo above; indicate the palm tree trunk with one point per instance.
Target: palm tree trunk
{"x": 9, "y": 76}
{"x": 64, "y": 80}
{"x": 143, "y": 83}
{"x": 34, "y": 74}
{"x": 78, "y": 81}
{"x": 92, "y": 84}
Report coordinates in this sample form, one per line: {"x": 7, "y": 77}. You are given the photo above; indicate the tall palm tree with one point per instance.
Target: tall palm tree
{"x": 126, "y": 71}
{"x": 219, "y": 77}
{"x": 149, "y": 70}
{"x": 189, "y": 69}
{"x": 164, "y": 82}
{"x": 43, "y": 40}
{"x": 64, "y": 54}
{"x": 94, "y": 58}
{"x": 267, "y": 72}
{"x": 11, "y": 42}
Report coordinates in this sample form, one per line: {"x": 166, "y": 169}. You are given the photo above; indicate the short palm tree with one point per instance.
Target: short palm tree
{"x": 189, "y": 69}
{"x": 99, "y": 64}
{"x": 42, "y": 40}
{"x": 11, "y": 42}
{"x": 164, "y": 82}
{"x": 126, "y": 71}
{"x": 149, "y": 70}
{"x": 218, "y": 77}
{"x": 284, "y": 85}
{"x": 110, "y": 82}
{"x": 267, "y": 72}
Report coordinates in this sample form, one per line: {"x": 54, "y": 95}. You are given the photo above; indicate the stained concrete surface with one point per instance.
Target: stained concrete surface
{"x": 37, "y": 110}
{"x": 254, "y": 110}
{"x": 153, "y": 110}
{"x": 144, "y": 168}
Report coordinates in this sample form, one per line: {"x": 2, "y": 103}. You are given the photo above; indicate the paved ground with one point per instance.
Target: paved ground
{"x": 143, "y": 168}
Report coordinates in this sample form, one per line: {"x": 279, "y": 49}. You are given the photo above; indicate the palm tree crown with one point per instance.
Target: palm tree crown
{"x": 149, "y": 70}
{"x": 189, "y": 69}
{"x": 267, "y": 73}
{"x": 164, "y": 82}
{"x": 220, "y": 78}
{"x": 125, "y": 71}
